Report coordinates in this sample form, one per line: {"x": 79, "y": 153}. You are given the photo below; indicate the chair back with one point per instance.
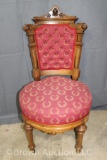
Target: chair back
{"x": 55, "y": 43}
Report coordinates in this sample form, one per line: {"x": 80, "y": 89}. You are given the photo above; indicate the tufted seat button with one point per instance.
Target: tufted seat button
{"x": 56, "y": 53}
{"x": 61, "y": 35}
{"x": 56, "y": 29}
{"x": 71, "y": 36}
{"x": 40, "y": 35}
{"x": 66, "y": 64}
{"x": 45, "y": 30}
{"x": 51, "y": 59}
{"x": 56, "y": 42}
{"x": 66, "y": 30}
{"x": 45, "y": 54}
{"x": 45, "y": 42}
{"x": 61, "y": 59}
{"x": 61, "y": 48}
{"x": 66, "y": 53}
{"x": 45, "y": 64}
{"x": 51, "y": 48}
{"x": 50, "y": 36}
{"x": 66, "y": 42}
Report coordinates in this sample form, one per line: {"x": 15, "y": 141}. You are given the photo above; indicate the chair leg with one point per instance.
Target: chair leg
{"x": 29, "y": 133}
{"x": 79, "y": 132}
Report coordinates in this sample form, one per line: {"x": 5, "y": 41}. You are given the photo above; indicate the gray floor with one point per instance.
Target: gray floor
{"x": 13, "y": 143}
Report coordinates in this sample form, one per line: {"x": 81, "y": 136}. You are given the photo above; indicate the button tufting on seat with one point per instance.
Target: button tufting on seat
{"x": 45, "y": 54}
{"x": 61, "y": 48}
{"x": 56, "y": 29}
{"x": 61, "y": 59}
{"x": 66, "y": 64}
{"x": 45, "y": 64}
{"x": 51, "y": 48}
{"x": 66, "y": 42}
{"x": 71, "y": 36}
{"x": 51, "y": 59}
{"x": 45, "y": 42}
{"x": 45, "y": 30}
{"x": 66, "y": 30}
{"x": 55, "y": 40}
{"x": 50, "y": 36}
{"x": 66, "y": 53}
{"x": 56, "y": 54}
{"x": 61, "y": 36}
{"x": 40, "y": 35}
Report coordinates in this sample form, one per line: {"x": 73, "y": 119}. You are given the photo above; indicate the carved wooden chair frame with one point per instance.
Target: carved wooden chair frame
{"x": 55, "y": 17}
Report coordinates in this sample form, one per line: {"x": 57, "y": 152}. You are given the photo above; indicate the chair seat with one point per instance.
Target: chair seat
{"x": 55, "y": 100}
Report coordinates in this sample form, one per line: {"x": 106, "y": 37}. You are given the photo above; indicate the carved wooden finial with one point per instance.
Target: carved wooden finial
{"x": 55, "y": 14}
{"x": 84, "y": 27}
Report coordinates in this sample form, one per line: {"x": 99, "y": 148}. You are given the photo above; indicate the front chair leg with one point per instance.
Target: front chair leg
{"x": 29, "y": 133}
{"x": 79, "y": 131}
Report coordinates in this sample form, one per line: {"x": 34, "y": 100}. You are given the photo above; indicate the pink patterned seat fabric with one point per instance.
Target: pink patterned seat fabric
{"x": 55, "y": 100}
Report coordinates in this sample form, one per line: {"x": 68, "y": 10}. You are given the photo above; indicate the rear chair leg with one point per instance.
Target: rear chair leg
{"x": 79, "y": 132}
{"x": 29, "y": 133}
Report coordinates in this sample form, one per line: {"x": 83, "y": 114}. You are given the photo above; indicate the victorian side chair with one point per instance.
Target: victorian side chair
{"x": 56, "y": 103}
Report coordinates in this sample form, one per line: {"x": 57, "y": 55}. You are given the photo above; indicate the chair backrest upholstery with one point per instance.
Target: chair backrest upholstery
{"x": 55, "y": 43}
{"x": 55, "y": 46}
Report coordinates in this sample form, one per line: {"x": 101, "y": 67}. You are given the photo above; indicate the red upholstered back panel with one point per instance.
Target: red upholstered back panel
{"x": 55, "y": 46}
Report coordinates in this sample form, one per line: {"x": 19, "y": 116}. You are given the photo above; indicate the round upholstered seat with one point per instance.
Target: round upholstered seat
{"x": 55, "y": 100}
